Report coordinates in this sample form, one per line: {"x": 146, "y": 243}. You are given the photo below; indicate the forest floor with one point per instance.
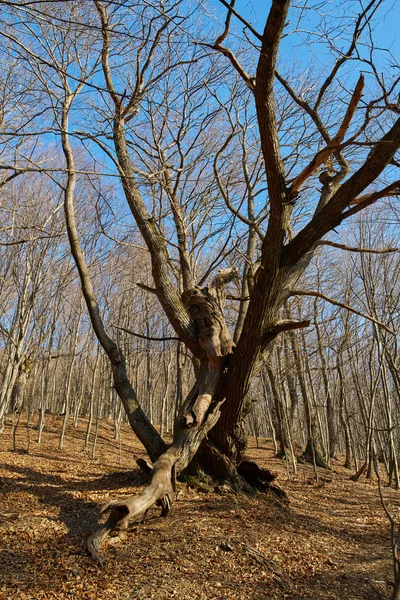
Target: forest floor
{"x": 331, "y": 542}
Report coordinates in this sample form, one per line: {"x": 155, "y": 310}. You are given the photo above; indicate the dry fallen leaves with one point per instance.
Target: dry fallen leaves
{"x": 332, "y": 542}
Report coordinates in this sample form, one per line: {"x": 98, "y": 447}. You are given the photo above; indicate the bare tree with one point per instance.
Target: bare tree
{"x": 341, "y": 161}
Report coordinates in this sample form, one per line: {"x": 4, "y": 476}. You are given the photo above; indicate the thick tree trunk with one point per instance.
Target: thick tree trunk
{"x": 196, "y": 416}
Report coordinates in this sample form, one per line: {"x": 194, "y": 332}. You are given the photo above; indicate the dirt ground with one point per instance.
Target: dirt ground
{"x": 332, "y": 542}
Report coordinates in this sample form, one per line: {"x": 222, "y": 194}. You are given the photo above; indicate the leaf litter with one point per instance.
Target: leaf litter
{"x": 331, "y": 542}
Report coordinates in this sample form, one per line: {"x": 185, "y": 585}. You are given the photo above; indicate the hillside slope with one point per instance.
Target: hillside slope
{"x": 332, "y": 542}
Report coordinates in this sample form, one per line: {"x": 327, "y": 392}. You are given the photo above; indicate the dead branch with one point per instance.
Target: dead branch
{"x": 281, "y": 326}
{"x": 161, "y": 489}
{"x": 360, "y": 472}
{"x": 289, "y": 325}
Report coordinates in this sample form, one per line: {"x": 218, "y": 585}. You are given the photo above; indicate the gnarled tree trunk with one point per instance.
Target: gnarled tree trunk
{"x": 196, "y": 417}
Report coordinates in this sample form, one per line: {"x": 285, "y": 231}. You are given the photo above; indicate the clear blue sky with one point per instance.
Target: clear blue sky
{"x": 386, "y": 25}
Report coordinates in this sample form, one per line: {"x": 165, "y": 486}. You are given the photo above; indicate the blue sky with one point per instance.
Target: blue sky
{"x": 386, "y": 25}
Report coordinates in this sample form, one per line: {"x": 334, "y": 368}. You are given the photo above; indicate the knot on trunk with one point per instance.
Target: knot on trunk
{"x": 205, "y": 306}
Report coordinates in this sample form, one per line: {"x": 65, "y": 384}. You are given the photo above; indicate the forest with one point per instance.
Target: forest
{"x": 199, "y": 290}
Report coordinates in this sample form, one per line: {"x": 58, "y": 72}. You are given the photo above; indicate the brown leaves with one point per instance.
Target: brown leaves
{"x": 211, "y": 546}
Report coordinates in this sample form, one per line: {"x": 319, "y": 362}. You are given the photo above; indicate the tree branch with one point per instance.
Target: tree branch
{"x": 142, "y": 427}
{"x": 147, "y": 337}
{"x": 232, "y": 11}
{"x": 324, "y": 154}
{"x": 266, "y": 110}
{"x": 285, "y": 325}
{"x": 234, "y": 61}
{"x": 342, "y": 305}
{"x": 290, "y": 324}
{"x": 155, "y": 241}
{"x": 363, "y": 201}
{"x": 390, "y": 190}
{"x": 355, "y": 249}
{"x": 34, "y": 239}
{"x": 146, "y": 288}
{"x": 331, "y": 215}
{"x": 359, "y": 26}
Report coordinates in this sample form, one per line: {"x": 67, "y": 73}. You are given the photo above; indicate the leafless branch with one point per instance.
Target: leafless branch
{"x": 324, "y": 154}
{"x": 355, "y": 249}
{"x": 342, "y": 305}
{"x": 148, "y": 337}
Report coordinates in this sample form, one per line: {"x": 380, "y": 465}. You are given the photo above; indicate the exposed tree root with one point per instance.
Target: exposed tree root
{"x": 247, "y": 477}
{"x": 261, "y": 479}
{"x": 161, "y": 489}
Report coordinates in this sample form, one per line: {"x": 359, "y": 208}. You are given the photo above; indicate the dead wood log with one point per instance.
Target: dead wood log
{"x": 360, "y": 472}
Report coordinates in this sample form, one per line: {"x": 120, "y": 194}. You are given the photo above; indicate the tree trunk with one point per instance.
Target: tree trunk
{"x": 91, "y": 401}
{"x": 330, "y": 412}
{"x": 196, "y": 416}
{"x": 279, "y": 417}
{"x": 343, "y": 414}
